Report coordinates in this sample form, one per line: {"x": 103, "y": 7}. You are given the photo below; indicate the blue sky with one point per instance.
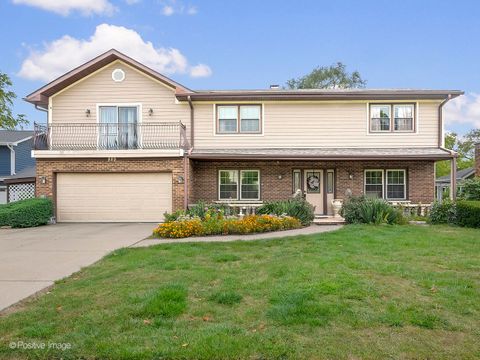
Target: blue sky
{"x": 252, "y": 44}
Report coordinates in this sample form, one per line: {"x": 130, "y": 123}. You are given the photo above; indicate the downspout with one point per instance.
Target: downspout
{"x": 186, "y": 161}
{"x": 192, "y": 119}
{"x": 440, "y": 120}
{"x": 453, "y": 163}
{"x": 12, "y": 160}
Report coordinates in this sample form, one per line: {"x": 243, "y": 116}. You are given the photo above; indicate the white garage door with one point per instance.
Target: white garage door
{"x": 125, "y": 197}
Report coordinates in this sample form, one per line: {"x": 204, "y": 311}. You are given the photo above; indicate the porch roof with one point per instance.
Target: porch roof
{"x": 324, "y": 154}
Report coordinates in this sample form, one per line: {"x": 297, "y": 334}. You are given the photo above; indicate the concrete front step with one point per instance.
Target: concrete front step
{"x": 328, "y": 220}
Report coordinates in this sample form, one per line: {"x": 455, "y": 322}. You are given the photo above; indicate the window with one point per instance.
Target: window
{"x": 250, "y": 185}
{"x": 382, "y": 120}
{"x": 228, "y": 185}
{"x": 374, "y": 183}
{"x": 117, "y": 127}
{"x": 396, "y": 185}
{"x": 403, "y": 120}
{"x": 227, "y": 119}
{"x": 233, "y": 119}
{"x": 330, "y": 180}
{"x": 235, "y": 185}
{"x": 296, "y": 181}
{"x": 394, "y": 181}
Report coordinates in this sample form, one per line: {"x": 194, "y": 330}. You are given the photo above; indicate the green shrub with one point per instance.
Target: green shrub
{"x": 26, "y": 213}
{"x": 365, "y": 210}
{"x": 444, "y": 212}
{"x": 468, "y": 213}
{"x": 297, "y": 208}
{"x": 471, "y": 189}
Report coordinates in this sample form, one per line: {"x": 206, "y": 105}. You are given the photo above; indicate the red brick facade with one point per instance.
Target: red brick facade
{"x": 49, "y": 167}
{"x": 276, "y": 177}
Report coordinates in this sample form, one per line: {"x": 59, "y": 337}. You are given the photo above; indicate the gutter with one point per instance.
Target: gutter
{"x": 440, "y": 120}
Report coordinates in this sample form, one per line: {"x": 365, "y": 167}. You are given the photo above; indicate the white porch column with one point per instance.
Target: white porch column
{"x": 453, "y": 179}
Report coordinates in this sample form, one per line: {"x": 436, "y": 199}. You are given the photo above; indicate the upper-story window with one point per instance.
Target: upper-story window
{"x": 234, "y": 119}
{"x": 392, "y": 117}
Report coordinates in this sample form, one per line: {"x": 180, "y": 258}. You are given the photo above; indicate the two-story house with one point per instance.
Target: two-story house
{"x": 125, "y": 143}
{"x": 15, "y": 160}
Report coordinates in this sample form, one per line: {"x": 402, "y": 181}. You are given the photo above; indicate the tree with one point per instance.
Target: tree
{"x": 465, "y": 146}
{"x": 7, "y": 120}
{"x": 328, "y": 77}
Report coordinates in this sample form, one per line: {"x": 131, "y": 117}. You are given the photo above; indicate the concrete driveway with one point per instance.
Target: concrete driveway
{"x": 32, "y": 259}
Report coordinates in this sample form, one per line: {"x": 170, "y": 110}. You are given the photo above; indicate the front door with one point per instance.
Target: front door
{"x": 313, "y": 185}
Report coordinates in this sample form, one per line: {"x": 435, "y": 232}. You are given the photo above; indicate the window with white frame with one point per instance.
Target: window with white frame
{"x": 233, "y": 119}
{"x": 239, "y": 185}
{"x": 396, "y": 184}
{"x": 403, "y": 117}
{"x": 228, "y": 185}
{"x": 390, "y": 184}
{"x": 249, "y": 185}
{"x": 374, "y": 183}
{"x": 118, "y": 127}
{"x": 392, "y": 117}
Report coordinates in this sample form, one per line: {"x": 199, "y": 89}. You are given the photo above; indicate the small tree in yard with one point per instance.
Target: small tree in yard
{"x": 328, "y": 77}
{"x": 7, "y": 120}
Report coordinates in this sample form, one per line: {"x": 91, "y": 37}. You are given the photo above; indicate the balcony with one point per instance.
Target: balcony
{"x": 112, "y": 136}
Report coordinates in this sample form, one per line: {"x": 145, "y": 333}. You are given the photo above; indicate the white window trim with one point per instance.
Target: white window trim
{"x": 404, "y": 184}
{"x": 219, "y": 184}
{"x": 241, "y": 184}
{"x": 238, "y": 133}
{"x": 416, "y": 120}
{"x": 365, "y": 181}
{"x": 139, "y": 116}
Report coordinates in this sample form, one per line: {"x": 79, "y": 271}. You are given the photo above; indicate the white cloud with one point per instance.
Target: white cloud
{"x": 463, "y": 110}
{"x": 200, "y": 70}
{"x": 65, "y": 7}
{"x": 168, "y": 10}
{"x": 171, "y": 7}
{"x": 67, "y": 52}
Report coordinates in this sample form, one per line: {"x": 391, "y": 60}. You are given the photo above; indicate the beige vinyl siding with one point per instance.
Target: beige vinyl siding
{"x": 319, "y": 124}
{"x": 118, "y": 197}
{"x": 69, "y": 105}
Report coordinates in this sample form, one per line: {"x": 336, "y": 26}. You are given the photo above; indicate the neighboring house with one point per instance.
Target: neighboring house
{"x": 477, "y": 160}
{"x": 125, "y": 143}
{"x": 443, "y": 182}
{"x": 15, "y": 158}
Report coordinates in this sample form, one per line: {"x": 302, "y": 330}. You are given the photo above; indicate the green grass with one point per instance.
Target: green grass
{"x": 363, "y": 292}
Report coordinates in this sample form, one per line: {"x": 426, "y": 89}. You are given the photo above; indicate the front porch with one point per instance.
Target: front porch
{"x": 247, "y": 184}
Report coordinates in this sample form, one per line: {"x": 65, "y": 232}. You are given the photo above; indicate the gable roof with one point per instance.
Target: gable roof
{"x": 9, "y": 137}
{"x": 461, "y": 175}
{"x": 40, "y": 96}
{"x": 182, "y": 93}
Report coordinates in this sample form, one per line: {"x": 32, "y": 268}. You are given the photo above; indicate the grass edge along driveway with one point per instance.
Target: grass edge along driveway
{"x": 362, "y": 292}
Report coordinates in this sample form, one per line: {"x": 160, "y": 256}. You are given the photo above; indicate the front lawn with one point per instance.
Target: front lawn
{"x": 363, "y": 292}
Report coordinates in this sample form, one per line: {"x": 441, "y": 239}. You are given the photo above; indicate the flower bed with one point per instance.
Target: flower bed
{"x": 217, "y": 224}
